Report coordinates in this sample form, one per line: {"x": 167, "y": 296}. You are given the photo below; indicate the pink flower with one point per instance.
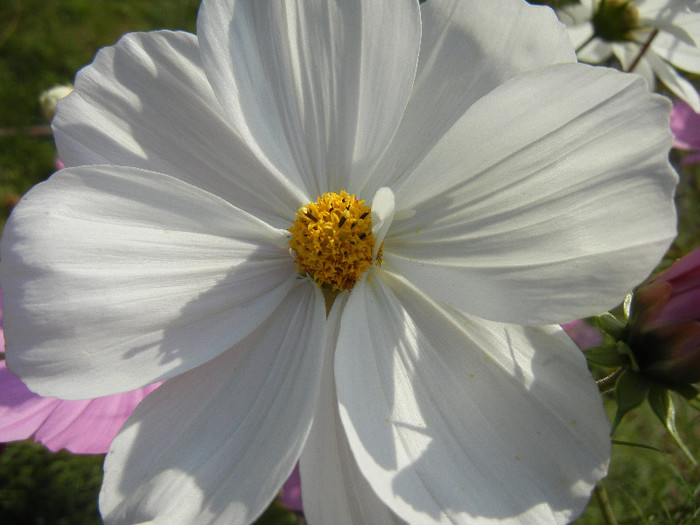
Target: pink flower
{"x": 664, "y": 325}
{"x": 83, "y": 427}
{"x": 685, "y": 125}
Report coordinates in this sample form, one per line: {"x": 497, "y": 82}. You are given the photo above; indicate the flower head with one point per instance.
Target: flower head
{"x": 616, "y": 20}
{"x": 332, "y": 240}
{"x": 651, "y": 37}
{"x": 205, "y": 173}
{"x": 664, "y": 324}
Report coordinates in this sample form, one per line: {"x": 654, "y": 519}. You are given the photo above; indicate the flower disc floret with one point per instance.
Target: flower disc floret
{"x": 332, "y": 239}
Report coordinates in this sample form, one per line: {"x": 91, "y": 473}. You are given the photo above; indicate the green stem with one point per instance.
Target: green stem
{"x": 642, "y": 51}
{"x": 31, "y": 131}
{"x": 604, "y": 504}
{"x": 329, "y": 295}
{"x": 588, "y": 41}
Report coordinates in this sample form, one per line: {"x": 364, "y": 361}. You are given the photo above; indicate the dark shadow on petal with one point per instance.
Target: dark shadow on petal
{"x": 478, "y": 400}
{"x": 230, "y": 430}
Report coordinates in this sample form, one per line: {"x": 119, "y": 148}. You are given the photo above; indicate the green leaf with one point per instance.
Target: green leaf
{"x": 625, "y": 350}
{"x": 690, "y": 392}
{"x": 609, "y": 324}
{"x": 632, "y": 444}
{"x": 626, "y": 305}
{"x": 606, "y": 355}
{"x": 695, "y": 403}
{"x": 630, "y": 391}
{"x": 661, "y": 403}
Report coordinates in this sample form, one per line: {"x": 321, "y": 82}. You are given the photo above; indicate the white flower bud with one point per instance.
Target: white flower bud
{"x": 50, "y": 97}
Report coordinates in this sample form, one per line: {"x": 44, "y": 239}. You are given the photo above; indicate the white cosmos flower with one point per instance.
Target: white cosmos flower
{"x": 671, "y": 26}
{"x": 512, "y": 188}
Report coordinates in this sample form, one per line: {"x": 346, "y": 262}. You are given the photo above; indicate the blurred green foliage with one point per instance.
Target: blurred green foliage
{"x": 688, "y": 202}
{"x": 44, "y": 43}
{"x": 38, "y": 487}
{"x": 645, "y": 486}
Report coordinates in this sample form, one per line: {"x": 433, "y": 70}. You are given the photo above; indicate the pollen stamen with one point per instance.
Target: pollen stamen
{"x": 332, "y": 240}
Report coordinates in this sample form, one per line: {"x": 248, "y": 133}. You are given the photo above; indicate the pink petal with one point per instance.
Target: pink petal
{"x": 2, "y": 330}
{"x": 290, "y": 496}
{"x": 583, "y": 334}
{"x": 88, "y": 427}
{"x": 684, "y": 302}
{"x": 684, "y": 273}
{"x": 21, "y": 411}
{"x": 683, "y": 306}
{"x": 82, "y": 427}
{"x": 685, "y": 125}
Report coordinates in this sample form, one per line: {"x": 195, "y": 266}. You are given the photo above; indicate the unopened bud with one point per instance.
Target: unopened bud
{"x": 664, "y": 323}
{"x": 50, "y": 97}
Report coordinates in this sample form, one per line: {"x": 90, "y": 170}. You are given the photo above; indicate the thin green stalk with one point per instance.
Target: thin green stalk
{"x": 588, "y": 41}
{"x": 604, "y": 504}
{"x": 643, "y": 51}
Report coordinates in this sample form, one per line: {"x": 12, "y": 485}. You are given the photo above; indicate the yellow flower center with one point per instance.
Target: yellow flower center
{"x": 332, "y": 240}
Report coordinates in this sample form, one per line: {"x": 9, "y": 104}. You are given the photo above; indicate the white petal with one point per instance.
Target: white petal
{"x": 548, "y": 201}
{"x": 383, "y": 206}
{"x": 675, "y": 82}
{"x": 146, "y": 102}
{"x": 459, "y": 420}
{"x": 215, "y": 445}
{"x": 657, "y": 62}
{"x": 467, "y": 49}
{"x": 595, "y": 52}
{"x": 576, "y": 14}
{"x": 674, "y": 18}
{"x": 318, "y": 87}
{"x": 333, "y": 489}
{"x": 680, "y": 54}
{"x": 115, "y": 278}
{"x": 627, "y": 53}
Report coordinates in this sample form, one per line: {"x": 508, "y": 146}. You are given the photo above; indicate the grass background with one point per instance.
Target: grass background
{"x": 44, "y": 43}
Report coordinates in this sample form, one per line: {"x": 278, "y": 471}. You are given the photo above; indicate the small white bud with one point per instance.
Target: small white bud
{"x": 50, "y": 97}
